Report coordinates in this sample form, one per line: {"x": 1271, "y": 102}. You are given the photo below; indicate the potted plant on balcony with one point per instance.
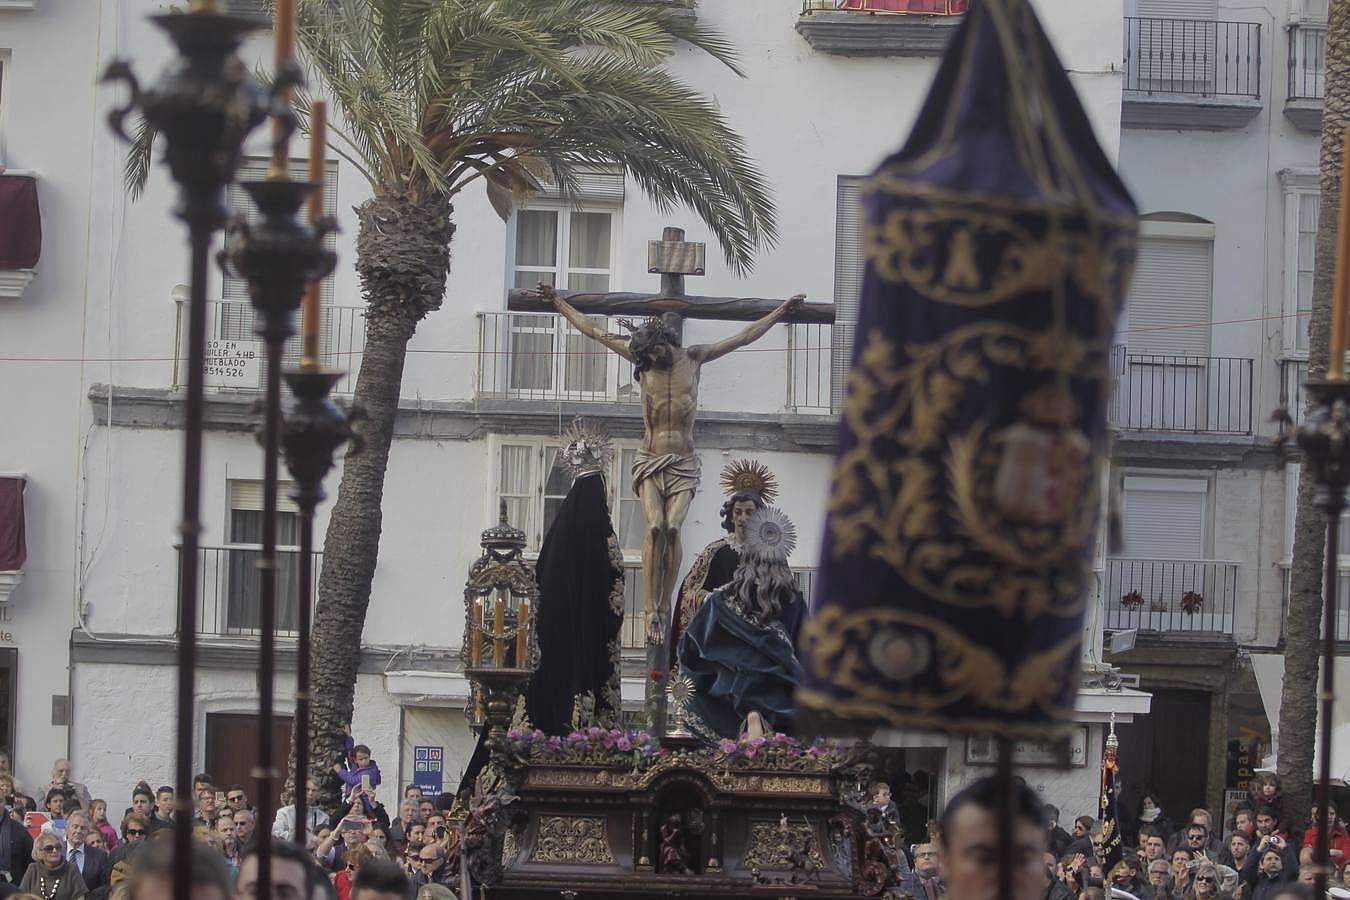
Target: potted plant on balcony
{"x": 1192, "y": 602}
{"x": 1132, "y": 600}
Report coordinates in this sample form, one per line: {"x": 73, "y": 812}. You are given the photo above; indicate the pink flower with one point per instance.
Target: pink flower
{"x": 623, "y": 744}
{"x": 593, "y": 732}
{"x": 750, "y": 752}
{"x": 554, "y": 743}
{"x": 727, "y": 746}
{"x": 537, "y": 735}
{"x": 757, "y": 743}
{"x": 515, "y": 734}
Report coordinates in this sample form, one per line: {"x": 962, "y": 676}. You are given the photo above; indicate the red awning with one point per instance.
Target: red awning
{"x": 13, "y": 549}
{"x": 913, "y": 7}
{"x": 20, "y": 222}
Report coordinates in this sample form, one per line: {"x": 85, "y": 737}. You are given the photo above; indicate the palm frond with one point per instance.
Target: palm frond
{"x": 136, "y": 167}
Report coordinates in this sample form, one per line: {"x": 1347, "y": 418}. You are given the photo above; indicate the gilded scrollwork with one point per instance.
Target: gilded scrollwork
{"x": 572, "y": 839}
{"x": 768, "y": 847}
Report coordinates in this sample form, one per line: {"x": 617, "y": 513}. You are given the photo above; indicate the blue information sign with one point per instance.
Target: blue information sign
{"x": 428, "y": 769}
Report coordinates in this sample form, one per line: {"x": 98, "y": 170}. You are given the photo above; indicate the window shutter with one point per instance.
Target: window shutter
{"x": 1169, "y": 303}
{"x": 596, "y": 186}
{"x": 251, "y": 9}
{"x": 1178, "y": 9}
{"x": 849, "y": 263}
{"x": 246, "y": 494}
{"x": 1164, "y": 518}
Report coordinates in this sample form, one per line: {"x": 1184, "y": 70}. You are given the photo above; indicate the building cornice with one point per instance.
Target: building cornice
{"x": 469, "y": 420}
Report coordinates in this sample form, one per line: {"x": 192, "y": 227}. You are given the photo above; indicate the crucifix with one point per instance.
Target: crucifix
{"x": 666, "y": 468}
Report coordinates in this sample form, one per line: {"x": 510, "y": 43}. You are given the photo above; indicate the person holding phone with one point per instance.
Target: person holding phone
{"x": 360, "y": 772}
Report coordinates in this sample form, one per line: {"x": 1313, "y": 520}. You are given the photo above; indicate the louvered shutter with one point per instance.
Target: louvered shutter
{"x": 1165, "y": 518}
{"x": 597, "y": 186}
{"x": 252, "y": 9}
{"x": 249, "y": 495}
{"x": 1178, "y": 9}
{"x": 236, "y": 313}
{"x": 1168, "y": 309}
{"x": 848, "y": 275}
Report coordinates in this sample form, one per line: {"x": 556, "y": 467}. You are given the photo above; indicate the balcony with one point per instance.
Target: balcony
{"x": 818, "y": 358}
{"x": 1171, "y": 599}
{"x": 1307, "y": 76}
{"x": 235, "y": 355}
{"x": 1186, "y": 394}
{"x": 228, "y": 591}
{"x": 1293, "y": 375}
{"x": 1342, "y": 595}
{"x": 909, "y": 28}
{"x": 1191, "y": 74}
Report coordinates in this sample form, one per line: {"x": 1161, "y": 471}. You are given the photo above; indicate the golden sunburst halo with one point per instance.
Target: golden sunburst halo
{"x": 750, "y": 475}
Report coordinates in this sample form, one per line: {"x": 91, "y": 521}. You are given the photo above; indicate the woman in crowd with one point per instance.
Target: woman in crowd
{"x": 1151, "y": 813}
{"x": 355, "y": 860}
{"x": 98, "y": 813}
{"x": 51, "y": 876}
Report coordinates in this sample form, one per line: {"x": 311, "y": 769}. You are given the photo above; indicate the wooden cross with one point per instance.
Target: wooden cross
{"x": 672, "y": 258}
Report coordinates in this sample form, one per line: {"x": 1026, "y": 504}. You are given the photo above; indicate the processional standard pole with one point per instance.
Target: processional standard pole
{"x": 278, "y": 256}
{"x": 203, "y": 105}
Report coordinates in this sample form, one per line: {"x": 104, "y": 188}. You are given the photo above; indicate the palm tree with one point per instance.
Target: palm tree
{"x": 432, "y": 95}
{"x": 1302, "y": 627}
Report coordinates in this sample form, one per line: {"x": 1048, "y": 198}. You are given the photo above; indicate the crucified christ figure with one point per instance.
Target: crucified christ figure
{"x": 666, "y": 470}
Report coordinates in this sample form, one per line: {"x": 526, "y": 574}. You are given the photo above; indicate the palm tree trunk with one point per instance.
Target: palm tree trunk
{"x": 402, "y": 258}
{"x": 1302, "y": 627}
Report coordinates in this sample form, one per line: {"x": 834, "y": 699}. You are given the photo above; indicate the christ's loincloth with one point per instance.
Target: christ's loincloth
{"x": 672, "y": 473}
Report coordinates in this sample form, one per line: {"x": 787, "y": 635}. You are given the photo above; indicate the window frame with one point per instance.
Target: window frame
{"x": 6, "y": 86}
{"x": 1296, "y": 184}
{"x": 285, "y": 506}
{"x": 562, "y": 242}
{"x": 1173, "y": 481}
{"x": 539, "y": 446}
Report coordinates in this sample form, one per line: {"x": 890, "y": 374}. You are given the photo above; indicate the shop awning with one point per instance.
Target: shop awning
{"x": 20, "y": 222}
{"x": 1269, "y": 669}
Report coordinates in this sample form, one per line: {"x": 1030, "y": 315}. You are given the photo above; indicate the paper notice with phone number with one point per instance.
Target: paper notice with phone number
{"x": 429, "y": 769}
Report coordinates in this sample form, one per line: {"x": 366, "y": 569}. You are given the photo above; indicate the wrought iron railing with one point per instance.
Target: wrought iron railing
{"x": 1171, "y": 597}
{"x": 228, "y": 590}
{"x": 1307, "y": 62}
{"x": 1293, "y": 375}
{"x": 816, "y": 364}
{"x": 1192, "y": 56}
{"x": 1193, "y": 394}
{"x": 234, "y": 354}
{"x": 540, "y": 356}
{"x": 902, "y": 7}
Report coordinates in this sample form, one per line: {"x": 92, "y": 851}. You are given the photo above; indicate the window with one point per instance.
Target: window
{"x": 849, "y": 264}
{"x": 534, "y": 487}
{"x": 1302, "y": 200}
{"x": 236, "y": 313}
{"x": 1168, "y": 308}
{"x": 570, "y": 245}
{"x": 1165, "y": 518}
{"x": 244, "y": 530}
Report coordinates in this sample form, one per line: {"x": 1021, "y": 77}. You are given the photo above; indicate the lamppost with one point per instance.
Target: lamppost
{"x": 501, "y": 649}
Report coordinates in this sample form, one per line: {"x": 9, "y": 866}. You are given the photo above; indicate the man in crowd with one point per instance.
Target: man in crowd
{"x": 1159, "y": 873}
{"x": 92, "y": 862}
{"x": 968, "y": 843}
{"x": 236, "y": 798}
{"x": 162, "y": 817}
{"x": 380, "y": 879}
{"x": 1058, "y": 838}
{"x": 1270, "y": 835}
{"x": 1055, "y": 888}
{"x": 244, "y": 824}
{"x": 62, "y": 781}
{"x": 432, "y": 867}
{"x": 142, "y": 800}
{"x": 207, "y": 810}
{"x": 290, "y": 875}
{"x": 1212, "y": 845}
{"x": 398, "y": 829}
{"x": 925, "y": 881}
{"x": 229, "y": 844}
{"x": 16, "y": 846}
{"x": 1268, "y": 875}
{"x": 284, "y": 825}
{"x": 1153, "y": 844}
{"x": 151, "y": 878}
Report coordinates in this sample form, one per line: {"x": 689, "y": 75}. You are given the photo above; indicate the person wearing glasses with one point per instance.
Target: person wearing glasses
{"x": 135, "y": 829}
{"x": 345, "y": 877}
{"x": 431, "y": 867}
{"x": 1205, "y": 882}
{"x": 16, "y": 843}
{"x": 51, "y": 876}
{"x": 236, "y": 798}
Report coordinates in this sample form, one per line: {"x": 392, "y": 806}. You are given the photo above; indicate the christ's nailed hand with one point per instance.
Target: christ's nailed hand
{"x": 795, "y": 302}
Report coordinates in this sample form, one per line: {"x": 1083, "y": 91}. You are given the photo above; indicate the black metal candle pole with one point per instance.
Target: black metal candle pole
{"x": 1003, "y": 792}
{"x": 203, "y": 106}
{"x": 278, "y": 256}
{"x": 315, "y": 428}
{"x": 1324, "y": 438}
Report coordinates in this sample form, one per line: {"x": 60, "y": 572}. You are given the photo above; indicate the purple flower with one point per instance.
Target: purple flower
{"x": 537, "y": 735}
{"x": 593, "y": 732}
{"x": 515, "y": 734}
{"x": 554, "y": 743}
{"x": 750, "y": 752}
{"x": 727, "y": 746}
{"x": 757, "y": 743}
{"x": 623, "y": 744}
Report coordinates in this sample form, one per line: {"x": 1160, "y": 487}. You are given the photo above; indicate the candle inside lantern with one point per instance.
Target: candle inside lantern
{"x": 498, "y": 632}
{"x": 285, "y": 55}
{"x": 476, "y": 634}
{"x": 1336, "y": 357}
{"x": 522, "y": 633}
{"x": 309, "y": 319}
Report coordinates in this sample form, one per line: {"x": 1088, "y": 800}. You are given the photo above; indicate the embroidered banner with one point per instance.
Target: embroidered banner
{"x": 999, "y": 244}
{"x": 13, "y": 548}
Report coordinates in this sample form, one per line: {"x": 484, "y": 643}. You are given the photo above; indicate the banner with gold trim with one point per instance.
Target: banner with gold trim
{"x": 999, "y": 244}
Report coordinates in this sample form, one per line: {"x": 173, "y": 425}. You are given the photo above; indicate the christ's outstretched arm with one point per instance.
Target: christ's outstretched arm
{"x": 752, "y": 332}
{"x": 583, "y": 323}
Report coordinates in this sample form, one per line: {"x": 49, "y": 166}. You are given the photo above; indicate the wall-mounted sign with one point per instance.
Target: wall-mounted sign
{"x": 233, "y": 363}
{"x": 429, "y": 769}
{"x": 983, "y": 751}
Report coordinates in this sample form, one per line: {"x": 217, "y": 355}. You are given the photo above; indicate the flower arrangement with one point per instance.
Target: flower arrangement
{"x": 1192, "y": 602}
{"x": 1132, "y": 600}
{"x": 776, "y": 748}
{"x": 594, "y": 745}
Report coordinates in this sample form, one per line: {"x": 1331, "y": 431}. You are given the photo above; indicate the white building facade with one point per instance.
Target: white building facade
{"x": 91, "y": 376}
